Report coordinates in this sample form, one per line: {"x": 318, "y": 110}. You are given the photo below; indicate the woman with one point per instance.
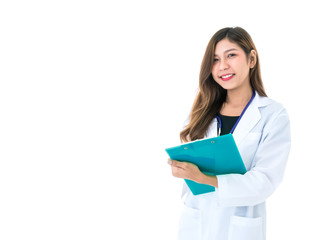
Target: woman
{"x": 231, "y": 93}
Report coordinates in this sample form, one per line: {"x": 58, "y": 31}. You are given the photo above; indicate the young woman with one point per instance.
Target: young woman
{"x": 231, "y": 95}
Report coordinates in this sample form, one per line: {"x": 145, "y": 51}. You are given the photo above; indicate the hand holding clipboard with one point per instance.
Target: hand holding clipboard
{"x": 213, "y": 156}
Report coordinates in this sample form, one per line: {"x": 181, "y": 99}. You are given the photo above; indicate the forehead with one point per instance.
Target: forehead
{"x": 225, "y": 45}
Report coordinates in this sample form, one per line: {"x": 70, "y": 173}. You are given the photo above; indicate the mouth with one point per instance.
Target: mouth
{"x": 227, "y": 77}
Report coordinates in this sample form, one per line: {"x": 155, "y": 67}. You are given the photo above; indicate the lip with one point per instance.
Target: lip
{"x": 227, "y": 77}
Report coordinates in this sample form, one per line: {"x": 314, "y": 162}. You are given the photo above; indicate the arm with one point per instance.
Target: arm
{"x": 260, "y": 181}
{"x": 267, "y": 169}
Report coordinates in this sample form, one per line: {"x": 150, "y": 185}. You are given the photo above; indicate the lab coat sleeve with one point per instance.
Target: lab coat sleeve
{"x": 267, "y": 169}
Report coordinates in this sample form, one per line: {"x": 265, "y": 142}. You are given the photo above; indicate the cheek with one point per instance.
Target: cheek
{"x": 214, "y": 72}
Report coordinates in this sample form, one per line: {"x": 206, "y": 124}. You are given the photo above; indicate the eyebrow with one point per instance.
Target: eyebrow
{"x": 229, "y": 50}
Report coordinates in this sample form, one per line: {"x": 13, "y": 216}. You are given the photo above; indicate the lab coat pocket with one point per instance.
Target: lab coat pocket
{"x": 242, "y": 228}
{"x": 190, "y": 224}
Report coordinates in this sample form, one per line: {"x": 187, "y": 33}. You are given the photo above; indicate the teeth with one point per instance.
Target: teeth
{"x": 226, "y": 76}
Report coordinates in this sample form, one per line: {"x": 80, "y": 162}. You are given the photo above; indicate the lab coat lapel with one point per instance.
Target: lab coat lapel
{"x": 212, "y": 131}
{"x": 250, "y": 118}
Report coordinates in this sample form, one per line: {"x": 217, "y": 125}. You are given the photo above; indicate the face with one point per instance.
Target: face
{"x": 231, "y": 66}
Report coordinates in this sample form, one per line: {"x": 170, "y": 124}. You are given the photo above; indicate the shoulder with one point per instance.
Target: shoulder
{"x": 274, "y": 116}
{"x": 268, "y": 106}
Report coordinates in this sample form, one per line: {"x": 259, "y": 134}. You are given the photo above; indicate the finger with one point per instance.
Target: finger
{"x": 173, "y": 163}
{"x": 178, "y": 172}
{"x": 178, "y": 164}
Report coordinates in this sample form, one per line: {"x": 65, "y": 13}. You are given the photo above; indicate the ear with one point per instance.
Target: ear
{"x": 252, "y": 58}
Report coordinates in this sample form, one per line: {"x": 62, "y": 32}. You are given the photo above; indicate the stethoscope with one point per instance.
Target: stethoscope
{"x": 235, "y": 125}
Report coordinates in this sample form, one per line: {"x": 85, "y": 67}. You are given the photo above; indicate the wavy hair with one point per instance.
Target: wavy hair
{"x": 211, "y": 95}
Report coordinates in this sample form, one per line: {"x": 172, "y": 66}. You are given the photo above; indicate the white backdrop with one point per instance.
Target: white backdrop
{"x": 93, "y": 91}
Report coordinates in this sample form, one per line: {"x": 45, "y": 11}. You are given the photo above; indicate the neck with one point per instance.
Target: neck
{"x": 239, "y": 98}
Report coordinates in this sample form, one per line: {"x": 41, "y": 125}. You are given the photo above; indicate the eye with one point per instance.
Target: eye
{"x": 215, "y": 60}
{"x": 231, "y": 55}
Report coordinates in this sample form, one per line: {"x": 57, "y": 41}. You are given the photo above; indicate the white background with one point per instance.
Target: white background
{"x": 93, "y": 91}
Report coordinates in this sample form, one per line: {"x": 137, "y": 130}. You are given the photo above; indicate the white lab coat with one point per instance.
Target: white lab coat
{"x": 236, "y": 210}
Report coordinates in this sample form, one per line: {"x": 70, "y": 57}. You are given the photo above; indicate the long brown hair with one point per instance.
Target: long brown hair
{"x": 211, "y": 95}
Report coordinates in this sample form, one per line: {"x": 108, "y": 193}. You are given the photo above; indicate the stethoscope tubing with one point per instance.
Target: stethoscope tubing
{"x": 235, "y": 125}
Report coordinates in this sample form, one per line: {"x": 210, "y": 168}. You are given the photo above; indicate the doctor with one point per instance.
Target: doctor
{"x": 232, "y": 99}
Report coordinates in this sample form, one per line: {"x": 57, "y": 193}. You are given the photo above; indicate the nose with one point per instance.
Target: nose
{"x": 223, "y": 64}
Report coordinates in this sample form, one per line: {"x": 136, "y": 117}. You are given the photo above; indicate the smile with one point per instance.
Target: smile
{"x": 227, "y": 77}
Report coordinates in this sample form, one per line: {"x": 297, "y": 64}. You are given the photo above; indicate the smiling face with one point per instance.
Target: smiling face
{"x": 232, "y": 65}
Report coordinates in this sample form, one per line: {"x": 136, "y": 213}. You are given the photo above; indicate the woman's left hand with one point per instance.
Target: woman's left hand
{"x": 185, "y": 170}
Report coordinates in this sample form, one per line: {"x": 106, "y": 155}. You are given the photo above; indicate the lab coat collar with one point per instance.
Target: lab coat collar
{"x": 250, "y": 118}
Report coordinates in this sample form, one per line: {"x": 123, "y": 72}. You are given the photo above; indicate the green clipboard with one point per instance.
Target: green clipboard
{"x": 214, "y": 156}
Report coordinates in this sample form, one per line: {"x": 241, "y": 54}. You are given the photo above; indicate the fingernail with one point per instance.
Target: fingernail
{"x": 169, "y": 161}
